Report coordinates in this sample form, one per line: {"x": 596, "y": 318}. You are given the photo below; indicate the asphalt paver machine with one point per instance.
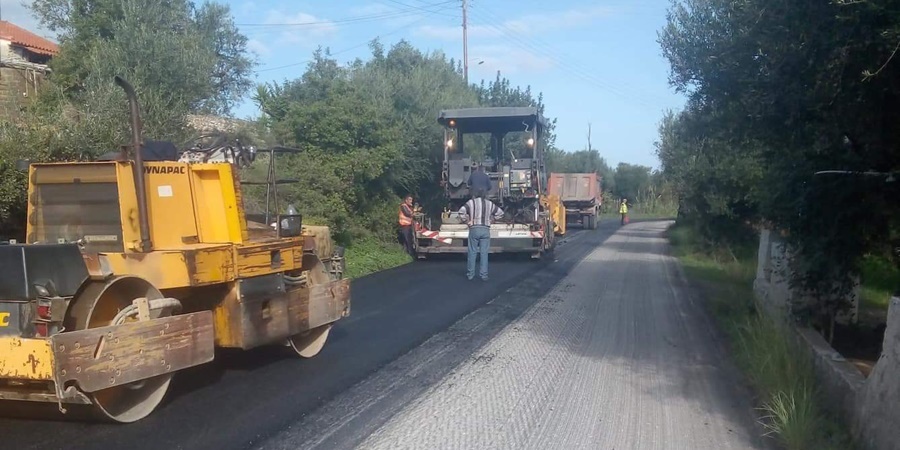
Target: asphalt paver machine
{"x": 507, "y": 143}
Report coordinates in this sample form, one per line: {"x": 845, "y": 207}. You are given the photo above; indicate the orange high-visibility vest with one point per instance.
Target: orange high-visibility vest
{"x": 403, "y": 219}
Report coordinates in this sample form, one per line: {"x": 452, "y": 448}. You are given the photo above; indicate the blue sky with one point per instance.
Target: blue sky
{"x": 596, "y": 62}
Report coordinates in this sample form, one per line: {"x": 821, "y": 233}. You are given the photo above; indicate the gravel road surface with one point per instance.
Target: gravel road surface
{"x": 618, "y": 355}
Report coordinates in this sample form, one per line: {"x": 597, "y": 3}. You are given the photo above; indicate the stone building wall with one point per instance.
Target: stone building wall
{"x": 18, "y": 85}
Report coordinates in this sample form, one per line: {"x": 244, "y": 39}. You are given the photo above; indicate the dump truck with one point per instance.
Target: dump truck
{"x": 580, "y": 194}
{"x": 506, "y": 143}
{"x": 134, "y": 269}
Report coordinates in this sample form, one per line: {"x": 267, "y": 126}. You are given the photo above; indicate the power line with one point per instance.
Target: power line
{"x": 572, "y": 69}
{"x": 553, "y": 55}
{"x": 425, "y": 4}
{"x": 566, "y": 59}
{"x": 558, "y": 53}
{"x": 553, "y": 58}
{"x": 309, "y": 60}
{"x": 268, "y": 29}
{"x": 351, "y": 20}
{"x": 549, "y": 53}
{"x": 362, "y": 44}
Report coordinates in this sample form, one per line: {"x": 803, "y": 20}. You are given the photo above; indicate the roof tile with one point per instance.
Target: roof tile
{"x": 24, "y": 38}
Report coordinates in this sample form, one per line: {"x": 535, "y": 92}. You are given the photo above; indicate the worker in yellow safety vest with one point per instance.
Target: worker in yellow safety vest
{"x": 623, "y": 210}
{"x": 405, "y": 219}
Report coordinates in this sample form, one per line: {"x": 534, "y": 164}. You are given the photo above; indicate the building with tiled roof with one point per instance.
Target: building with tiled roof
{"x": 19, "y": 43}
{"x": 23, "y": 65}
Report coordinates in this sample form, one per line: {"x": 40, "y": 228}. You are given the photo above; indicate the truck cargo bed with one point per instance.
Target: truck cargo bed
{"x": 580, "y": 188}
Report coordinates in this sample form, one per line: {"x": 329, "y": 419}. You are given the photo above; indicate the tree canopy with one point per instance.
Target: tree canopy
{"x": 193, "y": 57}
{"x": 779, "y": 92}
{"x": 180, "y": 58}
{"x": 369, "y": 132}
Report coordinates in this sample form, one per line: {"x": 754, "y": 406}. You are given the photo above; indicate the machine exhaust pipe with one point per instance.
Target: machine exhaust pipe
{"x": 140, "y": 184}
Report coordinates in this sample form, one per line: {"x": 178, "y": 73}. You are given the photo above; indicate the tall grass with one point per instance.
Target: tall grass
{"x": 783, "y": 376}
{"x": 369, "y": 255}
{"x": 793, "y": 416}
{"x": 648, "y": 208}
{"x": 780, "y": 372}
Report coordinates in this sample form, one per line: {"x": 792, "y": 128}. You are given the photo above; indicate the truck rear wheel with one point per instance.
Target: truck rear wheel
{"x": 97, "y": 305}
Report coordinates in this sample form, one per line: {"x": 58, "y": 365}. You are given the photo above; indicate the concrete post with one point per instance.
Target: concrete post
{"x": 879, "y": 402}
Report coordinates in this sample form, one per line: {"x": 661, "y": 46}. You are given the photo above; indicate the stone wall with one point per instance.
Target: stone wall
{"x": 879, "y": 400}
{"x": 871, "y": 406}
{"x": 17, "y": 87}
{"x": 772, "y": 283}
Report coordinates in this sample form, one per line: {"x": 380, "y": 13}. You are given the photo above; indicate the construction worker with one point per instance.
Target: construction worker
{"x": 479, "y": 180}
{"x": 478, "y": 213}
{"x": 405, "y": 218}
{"x": 623, "y": 210}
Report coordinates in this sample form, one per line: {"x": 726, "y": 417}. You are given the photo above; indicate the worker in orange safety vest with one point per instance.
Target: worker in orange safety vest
{"x": 405, "y": 219}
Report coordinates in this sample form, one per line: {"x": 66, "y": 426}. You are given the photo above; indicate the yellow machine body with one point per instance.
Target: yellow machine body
{"x": 239, "y": 283}
{"x": 557, "y": 212}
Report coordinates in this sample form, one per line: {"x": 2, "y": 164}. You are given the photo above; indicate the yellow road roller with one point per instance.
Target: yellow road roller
{"x": 135, "y": 268}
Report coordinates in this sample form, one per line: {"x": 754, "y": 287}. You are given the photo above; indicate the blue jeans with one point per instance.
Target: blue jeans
{"x": 480, "y": 242}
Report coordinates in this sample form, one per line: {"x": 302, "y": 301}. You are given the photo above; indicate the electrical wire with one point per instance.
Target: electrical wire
{"x": 361, "y": 44}
{"x": 262, "y": 31}
{"x": 571, "y": 68}
{"x": 424, "y": 4}
{"x": 352, "y": 20}
{"x": 559, "y": 54}
{"x": 492, "y": 21}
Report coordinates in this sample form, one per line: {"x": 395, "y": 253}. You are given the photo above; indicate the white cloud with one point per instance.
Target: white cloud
{"x": 259, "y": 47}
{"x": 528, "y": 24}
{"x": 486, "y": 60}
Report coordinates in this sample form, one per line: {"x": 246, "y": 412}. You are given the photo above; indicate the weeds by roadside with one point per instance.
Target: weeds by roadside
{"x": 880, "y": 277}
{"x": 369, "y": 255}
{"x": 644, "y": 211}
{"x": 781, "y": 374}
{"x": 638, "y": 215}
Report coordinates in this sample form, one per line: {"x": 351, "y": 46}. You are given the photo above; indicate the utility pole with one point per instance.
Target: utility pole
{"x": 589, "y": 137}
{"x": 465, "y": 40}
